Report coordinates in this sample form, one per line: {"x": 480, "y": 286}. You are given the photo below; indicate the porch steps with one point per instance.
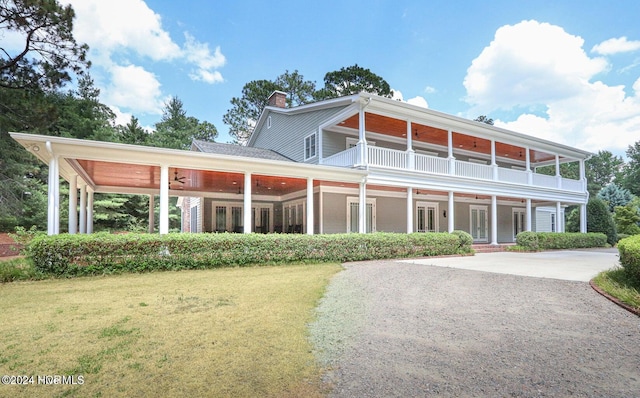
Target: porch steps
{"x": 485, "y": 248}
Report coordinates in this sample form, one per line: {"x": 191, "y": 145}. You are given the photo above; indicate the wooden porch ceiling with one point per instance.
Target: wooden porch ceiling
{"x": 180, "y": 179}
{"x": 398, "y": 128}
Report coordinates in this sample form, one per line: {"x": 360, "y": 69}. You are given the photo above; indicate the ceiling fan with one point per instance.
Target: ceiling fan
{"x": 177, "y": 179}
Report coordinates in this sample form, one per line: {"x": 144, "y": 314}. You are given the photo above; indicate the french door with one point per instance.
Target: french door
{"x": 479, "y": 226}
{"x": 518, "y": 223}
{"x": 426, "y": 217}
{"x": 353, "y": 215}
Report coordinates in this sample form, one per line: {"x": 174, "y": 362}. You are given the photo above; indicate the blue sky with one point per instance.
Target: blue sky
{"x": 568, "y": 71}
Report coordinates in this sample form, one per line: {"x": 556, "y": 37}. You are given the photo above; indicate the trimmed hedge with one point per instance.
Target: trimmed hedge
{"x": 560, "y": 240}
{"x": 629, "y": 249}
{"x": 103, "y": 253}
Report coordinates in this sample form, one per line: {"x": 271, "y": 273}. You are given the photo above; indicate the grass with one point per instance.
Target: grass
{"x": 238, "y": 332}
{"x": 18, "y": 268}
{"x": 616, "y": 283}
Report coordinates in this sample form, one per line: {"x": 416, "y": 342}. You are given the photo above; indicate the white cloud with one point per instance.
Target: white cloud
{"x": 122, "y": 25}
{"x": 430, "y": 90}
{"x": 126, "y": 38}
{"x": 529, "y": 63}
{"x": 134, "y": 88}
{"x": 200, "y": 55}
{"x": 539, "y": 65}
{"x": 615, "y": 46}
{"x": 417, "y": 100}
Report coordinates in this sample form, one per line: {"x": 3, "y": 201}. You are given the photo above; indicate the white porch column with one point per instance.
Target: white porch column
{"x": 73, "y": 204}
{"x": 450, "y": 213}
{"x": 494, "y": 165}
{"x": 53, "y": 194}
{"x": 90, "y": 211}
{"x": 528, "y": 167}
{"x": 362, "y": 209}
{"x": 558, "y": 176}
{"x": 528, "y": 225}
{"x": 310, "y": 224}
{"x": 559, "y": 219}
{"x": 362, "y": 140}
{"x": 247, "y": 213}
{"x": 583, "y": 218}
{"x": 452, "y": 160}
{"x": 410, "y": 152}
{"x": 83, "y": 209}
{"x": 583, "y": 176}
{"x": 494, "y": 220}
{"x": 152, "y": 214}
{"x": 164, "y": 200}
{"x": 409, "y": 210}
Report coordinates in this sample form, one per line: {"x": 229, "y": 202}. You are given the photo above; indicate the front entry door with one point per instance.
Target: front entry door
{"x": 479, "y": 228}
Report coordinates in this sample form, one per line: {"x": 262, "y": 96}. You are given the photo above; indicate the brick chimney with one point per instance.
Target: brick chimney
{"x": 278, "y": 99}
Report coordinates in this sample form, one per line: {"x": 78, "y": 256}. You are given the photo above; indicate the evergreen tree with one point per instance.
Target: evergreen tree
{"x": 615, "y": 196}
{"x": 599, "y": 219}
{"x": 177, "y": 130}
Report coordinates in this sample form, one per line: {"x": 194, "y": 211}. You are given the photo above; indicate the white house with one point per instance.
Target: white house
{"x": 359, "y": 163}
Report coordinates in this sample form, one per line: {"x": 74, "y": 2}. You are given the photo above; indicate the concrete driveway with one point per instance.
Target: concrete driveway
{"x": 570, "y": 265}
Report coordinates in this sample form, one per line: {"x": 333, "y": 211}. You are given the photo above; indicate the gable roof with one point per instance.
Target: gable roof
{"x": 237, "y": 150}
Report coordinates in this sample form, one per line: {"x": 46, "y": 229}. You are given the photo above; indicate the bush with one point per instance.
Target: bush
{"x": 629, "y": 249}
{"x": 466, "y": 240}
{"x": 559, "y": 240}
{"x": 528, "y": 240}
{"x": 104, "y": 253}
{"x": 600, "y": 220}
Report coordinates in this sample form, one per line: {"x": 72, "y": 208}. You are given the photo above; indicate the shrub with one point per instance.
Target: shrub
{"x": 629, "y": 249}
{"x": 104, "y": 253}
{"x": 600, "y": 220}
{"x": 559, "y": 240}
{"x": 528, "y": 240}
{"x": 466, "y": 240}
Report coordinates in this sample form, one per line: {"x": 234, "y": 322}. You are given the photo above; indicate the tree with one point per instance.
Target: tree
{"x": 484, "y": 119}
{"x": 601, "y": 170}
{"x": 177, "y": 130}
{"x": 353, "y": 80}
{"x": 132, "y": 133}
{"x": 614, "y": 196}
{"x": 631, "y": 170}
{"x": 49, "y": 51}
{"x": 627, "y": 218}
{"x": 599, "y": 219}
{"x": 246, "y": 110}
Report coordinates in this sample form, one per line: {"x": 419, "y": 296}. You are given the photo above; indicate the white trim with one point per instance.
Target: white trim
{"x": 269, "y": 122}
{"x": 308, "y": 146}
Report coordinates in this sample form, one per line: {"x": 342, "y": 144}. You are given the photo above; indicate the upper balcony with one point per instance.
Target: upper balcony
{"x": 408, "y": 160}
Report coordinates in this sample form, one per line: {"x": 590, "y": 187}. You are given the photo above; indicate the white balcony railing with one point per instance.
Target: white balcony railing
{"x": 395, "y": 159}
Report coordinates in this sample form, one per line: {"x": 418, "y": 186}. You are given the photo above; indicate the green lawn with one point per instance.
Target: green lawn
{"x": 237, "y": 332}
{"x": 616, "y": 283}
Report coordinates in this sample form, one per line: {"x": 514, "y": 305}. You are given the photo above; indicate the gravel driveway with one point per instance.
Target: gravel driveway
{"x": 397, "y": 329}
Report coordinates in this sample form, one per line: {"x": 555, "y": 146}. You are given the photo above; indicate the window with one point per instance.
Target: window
{"x": 269, "y": 122}
{"x": 310, "y": 147}
{"x": 553, "y": 222}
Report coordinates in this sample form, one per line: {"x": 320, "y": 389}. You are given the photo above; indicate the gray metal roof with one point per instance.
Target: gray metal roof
{"x": 238, "y": 150}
